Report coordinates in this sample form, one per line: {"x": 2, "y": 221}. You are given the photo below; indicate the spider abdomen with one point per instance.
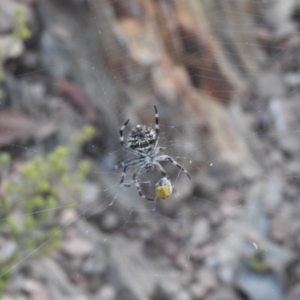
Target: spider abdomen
{"x": 141, "y": 139}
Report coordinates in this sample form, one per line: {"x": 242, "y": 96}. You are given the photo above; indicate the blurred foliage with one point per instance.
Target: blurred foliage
{"x": 32, "y": 199}
{"x": 20, "y": 32}
{"x": 256, "y": 264}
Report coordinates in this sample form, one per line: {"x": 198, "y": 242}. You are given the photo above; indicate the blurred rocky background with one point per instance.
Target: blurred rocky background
{"x": 225, "y": 76}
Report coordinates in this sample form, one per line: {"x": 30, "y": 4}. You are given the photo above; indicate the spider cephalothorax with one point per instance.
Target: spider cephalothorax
{"x": 142, "y": 141}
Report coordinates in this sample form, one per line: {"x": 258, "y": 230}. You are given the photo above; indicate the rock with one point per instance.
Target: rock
{"x": 204, "y": 252}
{"x": 293, "y": 172}
{"x": 138, "y": 38}
{"x": 276, "y": 257}
{"x": 215, "y": 218}
{"x": 89, "y": 205}
{"x": 267, "y": 79}
{"x": 184, "y": 188}
{"x": 14, "y": 126}
{"x": 289, "y": 145}
{"x": 198, "y": 291}
{"x": 14, "y": 297}
{"x": 201, "y": 232}
{"x": 285, "y": 226}
{"x": 207, "y": 186}
{"x": 126, "y": 257}
{"x": 278, "y": 13}
{"x": 7, "y": 249}
{"x": 223, "y": 293}
{"x": 263, "y": 35}
{"x": 226, "y": 273}
{"x": 76, "y": 96}
{"x": 294, "y": 271}
{"x": 172, "y": 289}
{"x": 255, "y": 214}
{"x": 259, "y": 286}
{"x": 57, "y": 284}
{"x": 35, "y": 289}
{"x": 77, "y": 247}
{"x": 96, "y": 264}
{"x": 272, "y": 196}
{"x": 67, "y": 217}
{"x": 107, "y": 292}
{"x": 294, "y": 293}
{"x": 292, "y": 79}
{"x": 230, "y": 195}
{"x": 206, "y": 281}
{"x": 45, "y": 131}
{"x": 207, "y": 277}
{"x": 110, "y": 221}
{"x": 230, "y": 200}
{"x": 90, "y": 193}
{"x": 10, "y": 47}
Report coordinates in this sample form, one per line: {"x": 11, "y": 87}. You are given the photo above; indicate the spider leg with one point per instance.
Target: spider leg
{"x": 121, "y": 133}
{"x": 126, "y": 164}
{"x": 123, "y": 177}
{"x": 130, "y": 161}
{"x": 138, "y": 187}
{"x": 156, "y": 126}
{"x": 124, "y": 146}
{"x": 161, "y": 169}
{"x": 174, "y": 162}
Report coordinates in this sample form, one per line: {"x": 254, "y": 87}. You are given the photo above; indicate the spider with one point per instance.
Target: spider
{"x": 142, "y": 141}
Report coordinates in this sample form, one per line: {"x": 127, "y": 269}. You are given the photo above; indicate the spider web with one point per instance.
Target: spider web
{"x": 211, "y": 229}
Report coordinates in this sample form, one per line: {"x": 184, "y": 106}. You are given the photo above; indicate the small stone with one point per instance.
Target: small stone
{"x": 199, "y": 291}
{"x": 77, "y": 247}
{"x": 173, "y": 290}
{"x": 289, "y": 145}
{"x": 207, "y": 277}
{"x": 285, "y": 226}
{"x": 224, "y": 294}
{"x": 294, "y": 293}
{"x": 263, "y": 35}
{"x": 45, "y": 131}
{"x": 267, "y": 79}
{"x": 15, "y": 297}
{"x": 11, "y": 47}
{"x": 68, "y": 217}
{"x": 110, "y": 221}
{"x": 215, "y": 218}
{"x": 35, "y": 290}
{"x": 200, "y": 253}
{"x": 7, "y": 249}
{"x": 292, "y": 79}
{"x": 90, "y": 193}
{"x": 279, "y": 229}
{"x": 94, "y": 265}
{"x": 229, "y": 201}
{"x": 226, "y": 274}
{"x": 107, "y": 292}
{"x": 207, "y": 185}
{"x": 15, "y": 125}
{"x": 201, "y": 232}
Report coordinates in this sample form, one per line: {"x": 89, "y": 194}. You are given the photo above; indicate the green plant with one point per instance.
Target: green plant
{"x": 21, "y": 30}
{"x": 32, "y": 199}
{"x": 14, "y": 43}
